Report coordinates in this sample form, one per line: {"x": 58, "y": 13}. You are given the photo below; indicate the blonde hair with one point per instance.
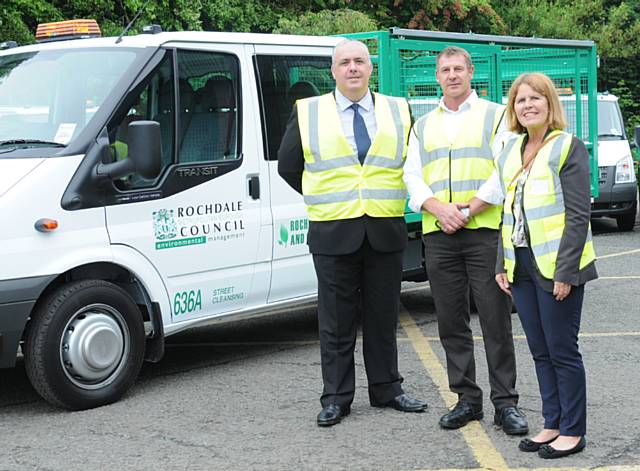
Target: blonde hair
{"x": 545, "y": 87}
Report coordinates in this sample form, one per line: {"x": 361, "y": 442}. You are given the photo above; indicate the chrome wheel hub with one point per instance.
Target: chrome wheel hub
{"x": 94, "y": 346}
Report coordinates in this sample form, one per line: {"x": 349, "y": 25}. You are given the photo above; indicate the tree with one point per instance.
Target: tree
{"x": 327, "y": 22}
{"x": 19, "y": 18}
{"x": 458, "y": 16}
{"x": 612, "y": 24}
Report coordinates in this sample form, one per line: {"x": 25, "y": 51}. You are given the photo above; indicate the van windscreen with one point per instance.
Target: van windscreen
{"x": 609, "y": 121}
{"x": 47, "y": 97}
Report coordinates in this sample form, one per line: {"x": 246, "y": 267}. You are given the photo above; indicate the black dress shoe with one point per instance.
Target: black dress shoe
{"x": 332, "y": 414}
{"x": 403, "y": 403}
{"x": 512, "y": 421}
{"x": 549, "y": 453}
{"x": 528, "y": 445}
{"x": 461, "y": 415}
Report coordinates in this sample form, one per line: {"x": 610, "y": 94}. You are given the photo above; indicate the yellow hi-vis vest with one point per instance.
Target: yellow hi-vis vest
{"x": 455, "y": 171}
{"x": 334, "y": 183}
{"x": 542, "y": 205}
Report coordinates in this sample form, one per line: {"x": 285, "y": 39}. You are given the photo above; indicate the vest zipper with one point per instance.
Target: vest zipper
{"x": 450, "y": 189}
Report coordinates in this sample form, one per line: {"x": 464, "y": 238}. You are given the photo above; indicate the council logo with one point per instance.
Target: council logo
{"x": 164, "y": 224}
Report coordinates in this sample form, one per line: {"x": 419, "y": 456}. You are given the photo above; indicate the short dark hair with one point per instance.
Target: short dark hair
{"x": 455, "y": 51}
{"x": 344, "y": 42}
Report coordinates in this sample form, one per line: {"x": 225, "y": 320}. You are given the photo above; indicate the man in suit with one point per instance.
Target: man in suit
{"x": 344, "y": 152}
{"x": 450, "y": 155}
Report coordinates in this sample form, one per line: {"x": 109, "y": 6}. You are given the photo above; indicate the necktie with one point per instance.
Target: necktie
{"x": 360, "y": 133}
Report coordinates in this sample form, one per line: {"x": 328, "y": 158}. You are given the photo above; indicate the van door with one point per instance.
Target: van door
{"x": 199, "y": 221}
{"x": 285, "y": 74}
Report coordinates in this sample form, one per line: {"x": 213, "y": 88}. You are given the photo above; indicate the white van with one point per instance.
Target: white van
{"x": 618, "y": 191}
{"x": 140, "y": 196}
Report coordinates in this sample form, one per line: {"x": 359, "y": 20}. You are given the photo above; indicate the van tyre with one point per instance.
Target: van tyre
{"x": 84, "y": 345}
{"x": 626, "y": 222}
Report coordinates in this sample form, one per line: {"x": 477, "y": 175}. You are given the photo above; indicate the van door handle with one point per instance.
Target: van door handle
{"x": 254, "y": 187}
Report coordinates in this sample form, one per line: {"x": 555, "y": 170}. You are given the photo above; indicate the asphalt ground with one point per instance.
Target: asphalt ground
{"x": 245, "y": 395}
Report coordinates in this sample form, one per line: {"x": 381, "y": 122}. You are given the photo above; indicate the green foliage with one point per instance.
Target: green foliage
{"x": 327, "y": 22}
{"x": 613, "y": 24}
{"x": 239, "y": 15}
{"x": 477, "y": 16}
{"x": 551, "y": 18}
{"x": 19, "y": 19}
{"x": 620, "y": 35}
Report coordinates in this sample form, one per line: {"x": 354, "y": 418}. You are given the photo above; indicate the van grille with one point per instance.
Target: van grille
{"x": 602, "y": 175}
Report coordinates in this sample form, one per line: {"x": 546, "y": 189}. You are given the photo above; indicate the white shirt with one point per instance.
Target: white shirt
{"x": 346, "y": 116}
{"x": 491, "y": 190}
{"x": 419, "y": 191}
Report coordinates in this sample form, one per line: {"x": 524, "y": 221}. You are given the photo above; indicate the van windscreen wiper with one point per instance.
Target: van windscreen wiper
{"x": 30, "y": 142}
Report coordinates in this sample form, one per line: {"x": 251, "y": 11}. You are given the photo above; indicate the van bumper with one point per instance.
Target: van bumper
{"x": 17, "y": 298}
{"x": 615, "y": 200}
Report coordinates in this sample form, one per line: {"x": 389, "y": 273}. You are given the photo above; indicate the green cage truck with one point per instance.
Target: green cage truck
{"x": 405, "y": 64}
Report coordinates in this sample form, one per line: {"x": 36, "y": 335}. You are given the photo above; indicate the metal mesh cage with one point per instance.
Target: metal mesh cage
{"x": 405, "y": 65}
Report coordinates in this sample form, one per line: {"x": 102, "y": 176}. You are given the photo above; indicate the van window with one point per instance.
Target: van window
{"x": 152, "y": 100}
{"x": 208, "y": 112}
{"x": 283, "y": 80}
{"x": 47, "y": 97}
{"x": 610, "y": 125}
{"x": 209, "y": 115}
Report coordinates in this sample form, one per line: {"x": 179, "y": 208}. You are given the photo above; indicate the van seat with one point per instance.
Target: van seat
{"x": 211, "y": 134}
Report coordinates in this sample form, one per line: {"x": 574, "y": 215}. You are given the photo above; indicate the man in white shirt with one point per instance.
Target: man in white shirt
{"x": 450, "y": 155}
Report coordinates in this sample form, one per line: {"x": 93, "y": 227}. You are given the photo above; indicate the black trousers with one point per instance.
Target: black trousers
{"x": 366, "y": 280}
{"x": 456, "y": 264}
{"x": 552, "y": 329}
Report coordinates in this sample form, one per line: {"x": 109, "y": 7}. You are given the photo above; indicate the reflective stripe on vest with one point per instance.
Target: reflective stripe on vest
{"x": 334, "y": 184}
{"x": 543, "y": 204}
{"x": 455, "y": 171}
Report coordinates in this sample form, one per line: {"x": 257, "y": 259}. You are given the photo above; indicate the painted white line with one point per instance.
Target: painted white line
{"x": 618, "y": 254}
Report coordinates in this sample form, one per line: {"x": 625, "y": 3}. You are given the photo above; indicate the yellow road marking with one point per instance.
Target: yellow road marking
{"x": 487, "y": 456}
{"x": 473, "y": 433}
{"x": 600, "y": 257}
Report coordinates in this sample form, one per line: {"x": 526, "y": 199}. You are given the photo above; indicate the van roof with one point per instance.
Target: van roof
{"x": 601, "y": 97}
{"x": 156, "y": 40}
{"x": 607, "y": 97}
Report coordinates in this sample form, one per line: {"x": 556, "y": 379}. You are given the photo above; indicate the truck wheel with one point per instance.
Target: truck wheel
{"x": 84, "y": 345}
{"x": 626, "y": 222}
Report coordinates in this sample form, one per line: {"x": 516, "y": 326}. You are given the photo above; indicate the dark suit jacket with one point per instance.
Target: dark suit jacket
{"x": 343, "y": 236}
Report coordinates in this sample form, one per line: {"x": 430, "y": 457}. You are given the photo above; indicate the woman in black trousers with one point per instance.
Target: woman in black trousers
{"x": 545, "y": 254}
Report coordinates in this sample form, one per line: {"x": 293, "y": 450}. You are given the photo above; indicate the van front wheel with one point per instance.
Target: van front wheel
{"x": 84, "y": 345}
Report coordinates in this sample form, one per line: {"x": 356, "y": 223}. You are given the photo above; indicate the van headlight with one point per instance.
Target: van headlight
{"x": 624, "y": 170}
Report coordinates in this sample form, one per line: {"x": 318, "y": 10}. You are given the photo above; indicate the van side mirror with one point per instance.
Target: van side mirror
{"x": 636, "y": 136}
{"x": 143, "y": 153}
{"x": 144, "y": 148}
